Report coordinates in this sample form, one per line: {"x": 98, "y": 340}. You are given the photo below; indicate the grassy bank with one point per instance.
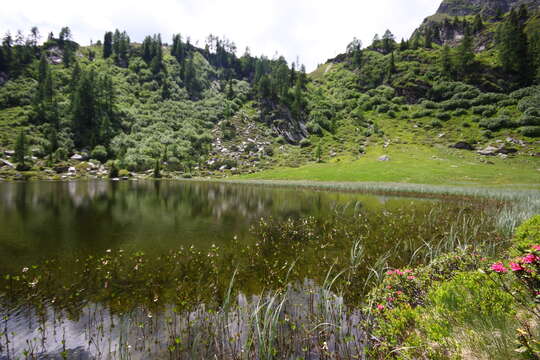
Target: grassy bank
{"x": 416, "y": 164}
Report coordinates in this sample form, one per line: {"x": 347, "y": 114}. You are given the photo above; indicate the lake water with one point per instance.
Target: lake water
{"x": 101, "y": 269}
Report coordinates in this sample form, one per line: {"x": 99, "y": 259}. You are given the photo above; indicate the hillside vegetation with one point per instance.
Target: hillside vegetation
{"x": 386, "y": 112}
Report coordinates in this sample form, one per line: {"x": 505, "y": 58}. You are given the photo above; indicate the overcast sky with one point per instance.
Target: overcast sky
{"x": 310, "y": 30}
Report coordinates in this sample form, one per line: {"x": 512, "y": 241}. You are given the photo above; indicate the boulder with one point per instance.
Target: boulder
{"x": 506, "y": 150}
{"x": 462, "y": 145}
{"x": 79, "y": 157}
{"x": 488, "y": 151}
{"x": 384, "y": 158}
{"x": 61, "y": 169}
{"x": 71, "y": 169}
{"x": 7, "y": 163}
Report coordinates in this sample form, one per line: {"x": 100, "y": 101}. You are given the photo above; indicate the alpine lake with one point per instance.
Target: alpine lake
{"x": 187, "y": 269}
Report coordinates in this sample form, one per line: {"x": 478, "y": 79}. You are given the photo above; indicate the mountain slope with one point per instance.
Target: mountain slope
{"x": 191, "y": 111}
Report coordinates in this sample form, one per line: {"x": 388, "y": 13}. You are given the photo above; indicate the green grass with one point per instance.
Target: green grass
{"x": 415, "y": 164}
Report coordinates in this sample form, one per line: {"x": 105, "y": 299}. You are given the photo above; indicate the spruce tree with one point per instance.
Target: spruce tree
{"x": 465, "y": 53}
{"x": 107, "y": 45}
{"x": 20, "y": 150}
{"x": 446, "y": 61}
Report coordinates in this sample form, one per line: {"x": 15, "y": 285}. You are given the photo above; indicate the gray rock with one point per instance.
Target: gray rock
{"x": 384, "y": 158}
{"x": 7, "y": 163}
{"x": 462, "y": 145}
{"x": 488, "y": 151}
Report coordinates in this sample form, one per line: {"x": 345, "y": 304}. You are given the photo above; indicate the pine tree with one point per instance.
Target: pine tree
{"x": 20, "y": 150}
{"x": 157, "y": 169}
{"x": 318, "y": 152}
{"x": 388, "y": 42}
{"x": 391, "y": 66}
{"x": 446, "y": 61}
{"x": 107, "y": 45}
{"x": 404, "y": 45}
{"x": 465, "y": 53}
{"x": 428, "y": 38}
{"x": 478, "y": 25}
{"x": 513, "y": 47}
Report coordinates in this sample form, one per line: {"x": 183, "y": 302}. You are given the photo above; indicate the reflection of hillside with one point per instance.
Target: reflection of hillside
{"x": 51, "y": 218}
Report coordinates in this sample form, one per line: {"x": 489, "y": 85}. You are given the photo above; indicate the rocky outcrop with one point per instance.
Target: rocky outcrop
{"x": 486, "y": 8}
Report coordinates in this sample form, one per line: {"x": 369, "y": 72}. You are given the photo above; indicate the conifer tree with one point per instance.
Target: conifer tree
{"x": 20, "y": 150}
{"x": 446, "y": 61}
{"x": 465, "y": 53}
{"x": 107, "y": 45}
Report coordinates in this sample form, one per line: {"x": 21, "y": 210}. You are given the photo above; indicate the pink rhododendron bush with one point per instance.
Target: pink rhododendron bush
{"x": 462, "y": 303}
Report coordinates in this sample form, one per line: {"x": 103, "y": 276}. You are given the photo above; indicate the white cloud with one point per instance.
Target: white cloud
{"x": 313, "y": 30}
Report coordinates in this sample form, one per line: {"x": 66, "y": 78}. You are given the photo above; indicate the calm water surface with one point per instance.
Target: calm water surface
{"x": 42, "y": 220}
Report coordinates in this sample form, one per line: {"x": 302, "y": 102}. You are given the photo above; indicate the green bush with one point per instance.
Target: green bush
{"x": 123, "y": 173}
{"x": 489, "y": 112}
{"x": 99, "y": 153}
{"x": 526, "y": 235}
{"x": 428, "y": 104}
{"x": 530, "y": 131}
{"x": 469, "y": 297}
{"x": 443, "y": 116}
{"x": 528, "y": 120}
{"x": 455, "y": 104}
{"x": 497, "y": 123}
{"x": 489, "y": 99}
{"x": 421, "y": 114}
{"x": 383, "y": 108}
{"x": 305, "y": 142}
{"x": 478, "y": 110}
{"x": 436, "y": 124}
{"x": 460, "y": 112}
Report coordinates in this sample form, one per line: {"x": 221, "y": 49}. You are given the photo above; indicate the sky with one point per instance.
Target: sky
{"x": 308, "y": 31}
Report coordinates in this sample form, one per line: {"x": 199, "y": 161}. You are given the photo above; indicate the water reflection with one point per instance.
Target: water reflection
{"x": 40, "y": 220}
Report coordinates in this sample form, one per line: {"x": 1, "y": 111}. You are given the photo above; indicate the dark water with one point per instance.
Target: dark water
{"x": 42, "y": 220}
{"x": 142, "y": 269}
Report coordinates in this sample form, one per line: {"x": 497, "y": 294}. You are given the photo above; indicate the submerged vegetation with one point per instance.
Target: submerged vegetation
{"x": 344, "y": 286}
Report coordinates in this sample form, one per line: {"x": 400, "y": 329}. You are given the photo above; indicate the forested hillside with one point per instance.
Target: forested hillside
{"x": 466, "y": 78}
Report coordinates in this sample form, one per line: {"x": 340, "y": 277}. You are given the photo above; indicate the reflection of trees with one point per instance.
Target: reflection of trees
{"x": 49, "y": 218}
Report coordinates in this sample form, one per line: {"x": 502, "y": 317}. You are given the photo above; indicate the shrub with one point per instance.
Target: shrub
{"x": 314, "y": 128}
{"x": 280, "y": 140}
{"x": 529, "y": 102}
{"x": 443, "y": 116}
{"x": 466, "y": 124}
{"x": 428, "y": 104}
{"x": 489, "y": 98}
{"x": 400, "y": 100}
{"x": 507, "y": 102}
{"x": 392, "y": 114}
{"x": 436, "y": 124}
{"x": 113, "y": 171}
{"x": 123, "y": 173}
{"x": 530, "y": 131}
{"x": 99, "y": 153}
{"x": 460, "y": 112}
{"x": 455, "y": 104}
{"x": 497, "y": 123}
{"x": 305, "y": 142}
{"x": 383, "y": 108}
{"x": 421, "y": 114}
{"x": 269, "y": 151}
{"x": 528, "y": 91}
{"x": 528, "y": 120}
{"x": 480, "y": 109}
{"x": 489, "y": 112}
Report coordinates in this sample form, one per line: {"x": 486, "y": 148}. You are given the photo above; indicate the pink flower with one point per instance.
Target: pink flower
{"x": 499, "y": 267}
{"x": 399, "y": 292}
{"x": 380, "y": 307}
{"x": 410, "y": 277}
{"x": 388, "y": 287}
{"x": 389, "y": 272}
{"x": 536, "y": 247}
{"x": 515, "y": 266}
{"x": 390, "y": 299}
{"x": 399, "y": 272}
{"x": 529, "y": 259}
{"x": 483, "y": 259}
{"x": 407, "y": 271}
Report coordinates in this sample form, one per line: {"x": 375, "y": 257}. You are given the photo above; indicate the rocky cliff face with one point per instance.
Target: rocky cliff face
{"x": 486, "y": 8}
